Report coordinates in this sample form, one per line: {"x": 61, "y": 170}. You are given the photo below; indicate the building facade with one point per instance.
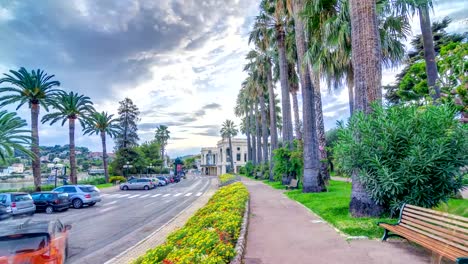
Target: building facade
{"x": 217, "y": 160}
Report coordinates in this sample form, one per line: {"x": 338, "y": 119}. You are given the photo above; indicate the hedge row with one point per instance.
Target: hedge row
{"x": 226, "y": 177}
{"x": 209, "y": 236}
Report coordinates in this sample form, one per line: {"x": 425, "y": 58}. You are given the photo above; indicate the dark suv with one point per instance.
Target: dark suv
{"x": 51, "y": 201}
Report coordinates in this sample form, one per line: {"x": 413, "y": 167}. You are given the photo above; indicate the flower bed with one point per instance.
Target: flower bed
{"x": 224, "y": 178}
{"x": 209, "y": 236}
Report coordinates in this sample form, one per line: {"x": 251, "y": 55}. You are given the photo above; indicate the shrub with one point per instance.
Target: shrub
{"x": 93, "y": 181}
{"x": 288, "y": 162}
{"x": 242, "y": 170}
{"x": 249, "y": 169}
{"x": 405, "y": 154}
{"x": 226, "y": 177}
{"x": 113, "y": 179}
{"x": 209, "y": 236}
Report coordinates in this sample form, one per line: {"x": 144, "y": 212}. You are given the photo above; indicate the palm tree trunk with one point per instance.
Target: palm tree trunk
{"x": 258, "y": 133}
{"x": 366, "y": 54}
{"x": 230, "y": 155}
{"x": 254, "y": 142}
{"x": 429, "y": 52}
{"x": 273, "y": 130}
{"x": 36, "y": 160}
{"x": 71, "y": 134}
{"x": 297, "y": 119}
{"x": 313, "y": 181}
{"x": 285, "y": 101}
{"x": 322, "y": 142}
{"x": 104, "y": 155}
{"x": 264, "y": 128}
{"x": 247, "y": 133}
{"x": 350, "y": 84}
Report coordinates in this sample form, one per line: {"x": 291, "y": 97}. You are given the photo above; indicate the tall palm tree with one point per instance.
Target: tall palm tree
{"x": 70, "y": 107}
{"x": 242, "y": 110}
{"x": 36, "y": 88}
{"x": 366, "y": 56}
{"x": 102, "y": 124}
{"x": 229, "y": 130}
{"x": 313, "y": 181}
{"x": 162, "y": 136}
{"x": 13, "y": 136}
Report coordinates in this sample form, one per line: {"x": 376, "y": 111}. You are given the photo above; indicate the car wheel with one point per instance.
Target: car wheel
{"x": 77, "y": 203}
{"x": 49, "y": 209}
{"x": 91, "y": 204}
{"x": 146, "y": 187}
{"x": 125, "y": 188}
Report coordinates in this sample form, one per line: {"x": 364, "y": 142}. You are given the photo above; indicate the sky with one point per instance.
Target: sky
{"x": 180, "y": 61}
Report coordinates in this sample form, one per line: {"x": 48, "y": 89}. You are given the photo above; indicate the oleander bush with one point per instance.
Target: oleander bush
{"x": 210, "y": 236}
{"x": 226, "y": 177}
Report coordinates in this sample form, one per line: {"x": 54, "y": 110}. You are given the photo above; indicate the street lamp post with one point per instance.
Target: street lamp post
{"x": 126, "y": 167}
{"x": 148, "y": 168}
{"x": 56, "y": 169}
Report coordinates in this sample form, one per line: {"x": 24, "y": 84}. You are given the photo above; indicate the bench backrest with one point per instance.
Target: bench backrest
{"x": 293, "y": 183}
{"x": 452, "y": 230}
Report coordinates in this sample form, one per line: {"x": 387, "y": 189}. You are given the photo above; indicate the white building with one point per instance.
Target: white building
{"x": 18, "y": 167}
{"x": 216, "y": 160}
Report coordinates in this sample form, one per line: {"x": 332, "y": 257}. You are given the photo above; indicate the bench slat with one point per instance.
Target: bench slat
{"x": 433, "y": 236}
{"x": 440, "y": 218}
{"x": 453, "y": 232}
{"x": 456, "y": 217}
{"x": 431, "y": 244}
{"x": 460, "y": 229}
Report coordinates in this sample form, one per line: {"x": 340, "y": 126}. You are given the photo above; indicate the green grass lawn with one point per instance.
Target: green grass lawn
{"x": 455, "y": 206}
{"x": 105, "y": 185}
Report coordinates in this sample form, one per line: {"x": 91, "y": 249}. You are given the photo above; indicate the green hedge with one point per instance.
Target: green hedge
{"x": 209, "y": 236}
{"x": 226, "y": 177}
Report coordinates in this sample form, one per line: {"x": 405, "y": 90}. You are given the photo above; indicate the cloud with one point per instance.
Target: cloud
{"x": 212, "y": 106}
{"x": 211, "y": 132}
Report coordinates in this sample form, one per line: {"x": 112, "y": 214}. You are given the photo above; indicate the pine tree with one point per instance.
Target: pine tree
{"x": 128, "y": 119}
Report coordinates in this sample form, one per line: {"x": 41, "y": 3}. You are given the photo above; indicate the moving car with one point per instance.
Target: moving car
{"x": 33, "y": 242}
{"x": 51, "y": 201}
{"x": 138, "y": 184}
{"x": 80, "y": 195}
{"x": 18, "y": 203}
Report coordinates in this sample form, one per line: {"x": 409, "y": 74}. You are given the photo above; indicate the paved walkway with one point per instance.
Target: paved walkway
{"x": 283, "y": 231}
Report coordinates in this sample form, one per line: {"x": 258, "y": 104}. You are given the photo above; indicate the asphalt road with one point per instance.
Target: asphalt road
{"x": 124, "y": 218}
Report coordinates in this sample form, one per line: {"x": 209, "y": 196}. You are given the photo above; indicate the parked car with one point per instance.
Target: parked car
{"x": 160, "y": 182}
{"x": 80, "y": 195}
{"x": 34, "y": 242}
{"x": 4, "y": 212}
{"x": 137, "y": 184}
{"x": 18, "y": 203}
{"x": 164, "y": 178}
{"x": 51, "y": 201}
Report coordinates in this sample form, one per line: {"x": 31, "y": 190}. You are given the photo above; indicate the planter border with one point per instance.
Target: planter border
{"x": 242, "y": 240}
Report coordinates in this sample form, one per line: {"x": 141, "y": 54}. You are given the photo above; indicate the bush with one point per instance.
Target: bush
{"x": 226, "y": 177}
{"x": 288, "y": 162}
{"x": 405, "y": 154}
{"x": 93, "y": 181}
{"x": 249, "y": 169}
{"x": 209, "y": 236}
{"x": 113, "y": 179}
{"x": 242, "y": 170}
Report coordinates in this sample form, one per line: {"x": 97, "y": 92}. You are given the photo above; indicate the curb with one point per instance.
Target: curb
{"x": 241, "y": 241}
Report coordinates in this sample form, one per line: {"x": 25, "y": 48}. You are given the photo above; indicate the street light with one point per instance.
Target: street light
{"x": 56, "y": 169}
{"x": 149, "y": 167}
{"x": 126, "y": 167}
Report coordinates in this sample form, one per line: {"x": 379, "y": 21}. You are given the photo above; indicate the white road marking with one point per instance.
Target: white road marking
{"x": 198, "y": 194}
{"x": 150, "y": 204}
{"x": 156, "y": 195}
{"x": 133, "y": 196}
{"x": 110, "y": 203}
{"x": 166, "y": 195}
{"x": 178, "y": 194}
{"x": 104, "y": 194}
{"x": 188, "y": 194}
{"x": 107, "y": 209}
{"x": 146, "y": 195}
{"x": 124, "y": 195}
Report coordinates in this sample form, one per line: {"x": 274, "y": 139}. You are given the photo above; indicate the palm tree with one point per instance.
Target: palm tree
{"x": 162, "y": 136}
{"x": 36, "y": 88}
{"x": 102, "y": 124}
{"x": 242, "y": 110}
{"x": 366, "y": 56}
{"x": 70, "y": 107}
{"x": 313, "y": 181}
{"x": 229, "y": 130}
{"x": 13, "y": 136}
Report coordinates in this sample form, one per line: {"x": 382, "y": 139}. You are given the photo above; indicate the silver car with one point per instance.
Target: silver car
{"x": 80, "y": 195}
{"x": 18, "y": 203}
{"x": 137, "y": 184}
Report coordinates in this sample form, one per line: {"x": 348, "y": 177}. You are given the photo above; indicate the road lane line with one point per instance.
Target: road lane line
{"x": 107, "y": 209}
{"x": 199, "y": 194}
{"x": 146, "y": 195}
{"x": 150, "y": 204}
{"x": 156, "y": 195}
{"x": 166, "y": 195}
{"x": 124, "y": 195}
{"x": 110, "y": 203}
{"x": 178, "y": 194}
{"x": 104, "y": 195}
{"x": 188, "y": 194}
{"x": 133, "y": 196}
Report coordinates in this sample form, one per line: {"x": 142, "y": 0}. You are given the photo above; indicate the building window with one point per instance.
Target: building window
{"x": 238, "y": 149}
{"x": 245, "y": 157}
{"x": 238, "y": 156}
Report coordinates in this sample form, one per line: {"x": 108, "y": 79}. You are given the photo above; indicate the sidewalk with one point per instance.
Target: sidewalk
{"x": 283, "y": 231}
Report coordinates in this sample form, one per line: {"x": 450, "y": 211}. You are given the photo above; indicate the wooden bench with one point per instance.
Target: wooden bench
{"x": 293, "y": 184}
{"x": 444, "y": 234}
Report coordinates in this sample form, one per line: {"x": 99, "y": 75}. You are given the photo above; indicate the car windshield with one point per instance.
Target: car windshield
{"x": 22, "y": 243}
{"x": 89, "y": 189}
